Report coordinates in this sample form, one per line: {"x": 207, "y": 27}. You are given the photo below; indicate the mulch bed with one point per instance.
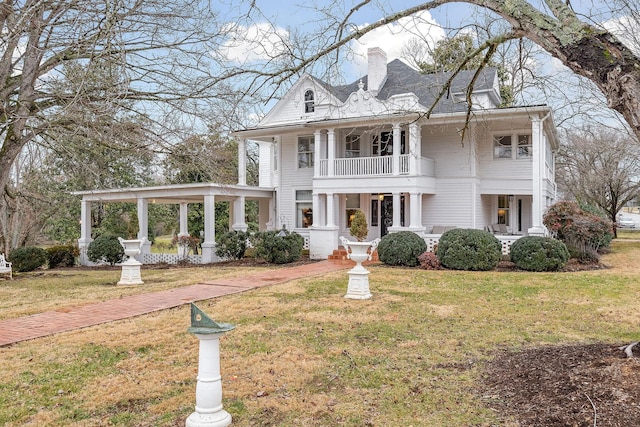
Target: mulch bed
{"x": 580, "y": 385}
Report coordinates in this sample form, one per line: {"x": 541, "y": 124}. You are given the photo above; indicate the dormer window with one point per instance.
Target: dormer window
{"x": 309, "y": 102}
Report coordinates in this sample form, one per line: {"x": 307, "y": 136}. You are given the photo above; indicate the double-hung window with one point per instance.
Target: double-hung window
{"x": 305, "y": 151}
{"x": 515, "y": 146}
{"x": 304, "y": 208}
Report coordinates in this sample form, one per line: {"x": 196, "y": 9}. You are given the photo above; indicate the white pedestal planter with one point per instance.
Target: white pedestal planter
{"x": 208, "y": 410}
{"x": 358, "y": 287}
{"x": 183, "y": 251}
{"x": 131, "y": 267}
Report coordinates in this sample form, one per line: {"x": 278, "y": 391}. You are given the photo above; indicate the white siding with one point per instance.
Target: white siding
{"x": 443, "y": 145}
{"x": 291, "y": 179}
{"x": 451, "y": 205}
{"x": 291, "y": 108}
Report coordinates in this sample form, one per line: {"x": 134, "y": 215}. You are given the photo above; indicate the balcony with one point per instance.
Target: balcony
{"x": 377, "y": 166}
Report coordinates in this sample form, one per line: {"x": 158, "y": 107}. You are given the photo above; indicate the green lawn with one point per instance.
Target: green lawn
{"x": 302, "y": 355}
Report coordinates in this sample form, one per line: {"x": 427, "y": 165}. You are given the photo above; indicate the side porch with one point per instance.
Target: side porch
{"x": 183, "y": 195}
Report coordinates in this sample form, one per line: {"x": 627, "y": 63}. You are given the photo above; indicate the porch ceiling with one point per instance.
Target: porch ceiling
{"x": 177, "y": 193}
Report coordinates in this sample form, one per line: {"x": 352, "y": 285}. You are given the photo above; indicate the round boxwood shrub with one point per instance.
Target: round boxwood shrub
{"x": 276, "y": 248}
{"x": 536, "y": 253}
{"x": 27, "y": 258}
{"x": 232, "y": 245}
{"x": 401, "y": 248}
{"x": 61, "y": 256}
{"x": 105, "y": 249}
{"x": 468, "y": 249}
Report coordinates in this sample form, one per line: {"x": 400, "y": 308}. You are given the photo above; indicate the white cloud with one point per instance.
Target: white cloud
{"x": 254, "y": 43}
{"x": 392, "y": 38}
{"x": 625, "y": 29}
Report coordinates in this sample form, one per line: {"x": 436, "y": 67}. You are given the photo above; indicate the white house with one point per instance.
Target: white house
{"x": 326, "y": 151}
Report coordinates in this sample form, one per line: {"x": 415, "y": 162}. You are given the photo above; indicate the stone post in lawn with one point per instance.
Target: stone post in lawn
{"x": 209, "y": 412}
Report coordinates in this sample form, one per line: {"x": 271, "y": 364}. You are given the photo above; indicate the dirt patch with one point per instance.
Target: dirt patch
{"x": 581, "y": 385}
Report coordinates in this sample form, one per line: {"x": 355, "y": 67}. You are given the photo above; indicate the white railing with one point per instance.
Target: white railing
{"x": 358, "y": 166}
{"x": 505, "y": 241}
{"x": 375, "y": 166}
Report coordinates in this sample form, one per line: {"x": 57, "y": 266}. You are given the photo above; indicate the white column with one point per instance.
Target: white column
{"x": 537, "y": 200}
{"x": 396, "y": 210}
{"x": 85, "y": 230}
{"x": 209, "y": 243}
{"x": 330, "y": 210}
{"x": 238, "y": 214}
{"x": 143, "y": 226}
{"x": 184, "y": 213}
{"x": 317, "y": 156}
{"x": 265, "y": 216}
{"x": 242, "y": 162}
{"x": 415, "y": 220}
{"x": 396, "y": 149}
{"x": 415, "y": 149}
{"x": 316, "y": 210}
{"x": 331, "y": 151}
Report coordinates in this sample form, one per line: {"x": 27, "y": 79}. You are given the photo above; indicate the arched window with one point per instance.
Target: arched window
{"x": 309, "y": 104}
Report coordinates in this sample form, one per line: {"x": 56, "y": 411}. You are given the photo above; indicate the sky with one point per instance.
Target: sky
{"x": 291, "y": 16}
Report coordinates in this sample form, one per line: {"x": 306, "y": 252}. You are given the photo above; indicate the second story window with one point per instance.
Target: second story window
{"x": 305, "y": 151}
{"x": 516, "y": 146}
{"x": 309, "y": 102}
{"x": 352, "y": 146}
{"x": 525, "y": 148}
{"x": 502, "y": 147}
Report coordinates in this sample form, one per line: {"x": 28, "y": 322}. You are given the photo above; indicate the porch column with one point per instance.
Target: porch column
{"x": 317, "y": 156}
{"x": 415, "y": 149}
{"x": 316, "y": 210}
{"x": 242, "y": 162}
{"x": 396, "y": 151}
{"x": 238, "y": 214}
{"x": 537, "y": 228}
{"x": 209, "y": 243}
{"x": 331, "y": 151}
{"x": 415, "y": 219}
{"x": 396, "y": 210}
{"x": 331, "y": 217}
{"x": 184, "y": 213}
{"x": 85, "y": 230}
{"x": 143, "y": 225}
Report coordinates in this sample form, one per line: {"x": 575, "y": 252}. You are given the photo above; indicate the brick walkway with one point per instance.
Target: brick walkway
{"x": 67, "y": 319}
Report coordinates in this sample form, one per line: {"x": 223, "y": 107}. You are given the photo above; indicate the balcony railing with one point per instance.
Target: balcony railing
{"x": 376, "y": 166}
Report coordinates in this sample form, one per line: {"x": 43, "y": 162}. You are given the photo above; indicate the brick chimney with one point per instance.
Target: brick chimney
{"x": 377, "y": 62}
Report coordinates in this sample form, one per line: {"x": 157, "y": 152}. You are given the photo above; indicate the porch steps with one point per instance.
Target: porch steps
{"x": 341, "y": 254}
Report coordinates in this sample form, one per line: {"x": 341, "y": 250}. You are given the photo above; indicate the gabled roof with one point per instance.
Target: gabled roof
{"x": 401, "y": 79}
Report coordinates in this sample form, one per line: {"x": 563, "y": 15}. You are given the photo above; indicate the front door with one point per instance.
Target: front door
{"x": 386, "y": 215}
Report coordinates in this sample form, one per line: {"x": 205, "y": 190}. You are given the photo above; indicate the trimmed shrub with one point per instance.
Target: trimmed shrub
{"x": 359, "y": 228}
{"x": 536, "y": 253}
{"x": 583, "y": 233}
{"x": 105, "y": 249}
{"x": 468, "y": 249}
{"x": 61, "y": 256}
{"x": 277, "y": 249}
{"x": 429, "y": 261}
{"x": 232, "y": 245}
{"x": 27, "y": 258}
{"x": 401, "y": 248}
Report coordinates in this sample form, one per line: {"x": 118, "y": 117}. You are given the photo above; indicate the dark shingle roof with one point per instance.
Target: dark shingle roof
{"x": 401, "y": 78}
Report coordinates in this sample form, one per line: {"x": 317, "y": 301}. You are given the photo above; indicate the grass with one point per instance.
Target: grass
{"x": 303, "y": 355}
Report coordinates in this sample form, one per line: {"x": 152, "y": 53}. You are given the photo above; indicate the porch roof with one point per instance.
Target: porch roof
{"x": 177, "y": 193}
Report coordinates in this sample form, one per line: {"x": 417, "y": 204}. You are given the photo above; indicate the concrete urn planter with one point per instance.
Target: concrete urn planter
{"x": 358, "y": 287}
{"x": 131, "y": 267}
